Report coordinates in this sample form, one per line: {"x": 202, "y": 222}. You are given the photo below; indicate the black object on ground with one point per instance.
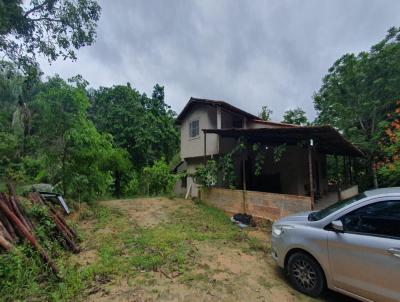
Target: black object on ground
{"x": 243, "y": 218}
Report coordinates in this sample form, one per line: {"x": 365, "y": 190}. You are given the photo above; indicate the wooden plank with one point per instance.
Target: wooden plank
{"x": 244, "y": 182}
{"x": 188, "y": 191}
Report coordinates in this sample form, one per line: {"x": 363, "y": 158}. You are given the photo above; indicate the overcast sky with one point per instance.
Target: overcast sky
{"x": 249, "y": 53}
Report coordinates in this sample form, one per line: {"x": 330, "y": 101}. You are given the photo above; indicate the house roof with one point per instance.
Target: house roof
{"x": 227, "y": 107}
{"x": 326, "y": 139}
{"x": 213, "y": 103}
{"x": 286, "y": 125}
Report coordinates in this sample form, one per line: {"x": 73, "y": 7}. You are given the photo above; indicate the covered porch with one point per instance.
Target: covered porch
{"x": 302, "y": 168}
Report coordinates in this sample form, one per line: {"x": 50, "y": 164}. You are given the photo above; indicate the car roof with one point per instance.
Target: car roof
{"x": 382, "y": 191}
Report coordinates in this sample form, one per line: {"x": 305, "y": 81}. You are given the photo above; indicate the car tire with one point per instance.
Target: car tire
{"x": 305, "y": 274}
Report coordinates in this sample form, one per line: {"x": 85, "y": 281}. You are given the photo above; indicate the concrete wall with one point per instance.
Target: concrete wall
{"x": 207, "y": 116}
{"x": 259, "y": 204}
{"x": 179, "y": 189}
{"x": 191, "y": 165}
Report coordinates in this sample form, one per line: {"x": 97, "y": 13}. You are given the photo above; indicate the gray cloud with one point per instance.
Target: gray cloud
{"x": 250, "y": 53}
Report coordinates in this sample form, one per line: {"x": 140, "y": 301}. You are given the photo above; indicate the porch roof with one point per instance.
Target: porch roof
{"x": 326, "y": 139}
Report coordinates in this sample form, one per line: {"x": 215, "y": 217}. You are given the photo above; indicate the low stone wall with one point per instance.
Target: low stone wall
{"x": 259, "y": 204}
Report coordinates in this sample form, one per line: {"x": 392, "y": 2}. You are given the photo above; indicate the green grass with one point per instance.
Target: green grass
{"x": 129, "y": 251}
{"x": 23, "y": 274}
{"x": 171, "y": 246}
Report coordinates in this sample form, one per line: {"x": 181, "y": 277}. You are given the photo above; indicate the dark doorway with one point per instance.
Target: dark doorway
{"x": 266, "y": 183}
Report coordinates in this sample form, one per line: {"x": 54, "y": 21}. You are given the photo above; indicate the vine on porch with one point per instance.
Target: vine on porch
{"x": 224, "y": 167}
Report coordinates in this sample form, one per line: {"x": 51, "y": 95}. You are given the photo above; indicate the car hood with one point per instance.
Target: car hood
{"x": 298, "y": 217}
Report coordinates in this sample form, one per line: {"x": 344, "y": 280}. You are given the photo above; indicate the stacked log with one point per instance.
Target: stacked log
{"x": 16, "y": 226}
{"x": 64, "y": 230}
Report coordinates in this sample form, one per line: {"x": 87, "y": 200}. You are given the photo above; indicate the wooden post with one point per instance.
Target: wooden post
{"x": 205, "y": 148}
{"x": 244, "y": 182}
{"x": 310, "y": 172}
{"x": 338, "y": 178}
{"x": 350, "y": 161}
{"x": 219, "y": 126}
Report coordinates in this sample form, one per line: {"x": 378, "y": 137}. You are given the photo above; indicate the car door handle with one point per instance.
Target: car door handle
{"x": 394, "y": 251}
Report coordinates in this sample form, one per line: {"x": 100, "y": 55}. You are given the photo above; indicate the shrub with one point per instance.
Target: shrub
{"x": 207, "y": 175}
{"x": 132, "y": 187}
{"x": 158, "y": 179}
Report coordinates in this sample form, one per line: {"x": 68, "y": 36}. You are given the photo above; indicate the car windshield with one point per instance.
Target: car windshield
{"x": 314, "y": 216}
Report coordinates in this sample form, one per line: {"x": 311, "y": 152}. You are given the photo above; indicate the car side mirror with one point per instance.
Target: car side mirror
{"x": 337, "y": 226}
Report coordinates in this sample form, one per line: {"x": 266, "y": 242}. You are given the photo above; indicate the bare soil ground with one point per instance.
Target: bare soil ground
{"x": 214, "y": 270}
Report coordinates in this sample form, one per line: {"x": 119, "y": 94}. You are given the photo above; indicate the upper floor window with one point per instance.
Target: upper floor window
{"x": 194, "y": 129}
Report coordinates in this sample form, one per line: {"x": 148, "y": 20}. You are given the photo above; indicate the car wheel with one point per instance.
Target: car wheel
{"x": 305, "y": 274}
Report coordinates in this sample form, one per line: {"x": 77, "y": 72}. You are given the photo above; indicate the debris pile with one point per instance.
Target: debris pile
{"x": 243, "y": 220}
{"x": 16, "y": 226}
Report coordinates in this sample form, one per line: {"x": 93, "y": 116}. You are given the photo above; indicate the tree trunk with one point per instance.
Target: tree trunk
{"x": 64, "y": 184}
{"x": 5, "y": 233}
{"x": 25, "y": 233}
{"x": 117, "y": 184}
{"x": 4, "y": 243}
{"x": 374, "y": 176}
{"x": 6, "y": 223}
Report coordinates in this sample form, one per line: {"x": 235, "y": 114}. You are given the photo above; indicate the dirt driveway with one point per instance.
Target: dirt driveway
{"x": 157, "y": 249}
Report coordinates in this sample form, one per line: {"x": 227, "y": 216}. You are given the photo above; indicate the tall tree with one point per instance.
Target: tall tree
{"x": 265, "y": 113}
{"x": 143, "y": 126}
{"x": 358, "y": 92}
{"x": 117, "y": 161}
{"x": 74, "y": 150}
{"x": 296, "y": 116}
{"x": 160, "y": 127}
{"x": 10, "y": 90}
{"x": 388, "y": 164}
{"x": 52, "y": 28}
{"x": 118, "y": 111}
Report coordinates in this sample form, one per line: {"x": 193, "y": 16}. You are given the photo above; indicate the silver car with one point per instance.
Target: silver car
{"x": 352, "y": 247}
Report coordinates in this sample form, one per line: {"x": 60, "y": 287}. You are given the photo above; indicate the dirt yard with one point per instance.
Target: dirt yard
{"x": 157, "y": 249}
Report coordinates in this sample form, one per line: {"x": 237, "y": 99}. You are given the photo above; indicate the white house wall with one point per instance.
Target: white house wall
{"x": 194, "y": 147}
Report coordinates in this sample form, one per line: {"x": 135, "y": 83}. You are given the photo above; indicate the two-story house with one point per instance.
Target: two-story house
{"x": 211, "y": 128}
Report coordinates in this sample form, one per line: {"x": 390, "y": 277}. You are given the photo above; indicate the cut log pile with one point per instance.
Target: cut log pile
{"x": 16, "y": 226}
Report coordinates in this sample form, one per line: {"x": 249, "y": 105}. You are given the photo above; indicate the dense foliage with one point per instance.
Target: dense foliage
{"x": 52, "y": 28}
{"x": 357, "y": 94}
{"x": 265, "y": 113}
{"x": 158, "y": 179}
{"x": 296, "y": 116}
{"x": 48, "y": 135}
{"x": 141, "y": 125}
{"x": 388, "y": 162}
